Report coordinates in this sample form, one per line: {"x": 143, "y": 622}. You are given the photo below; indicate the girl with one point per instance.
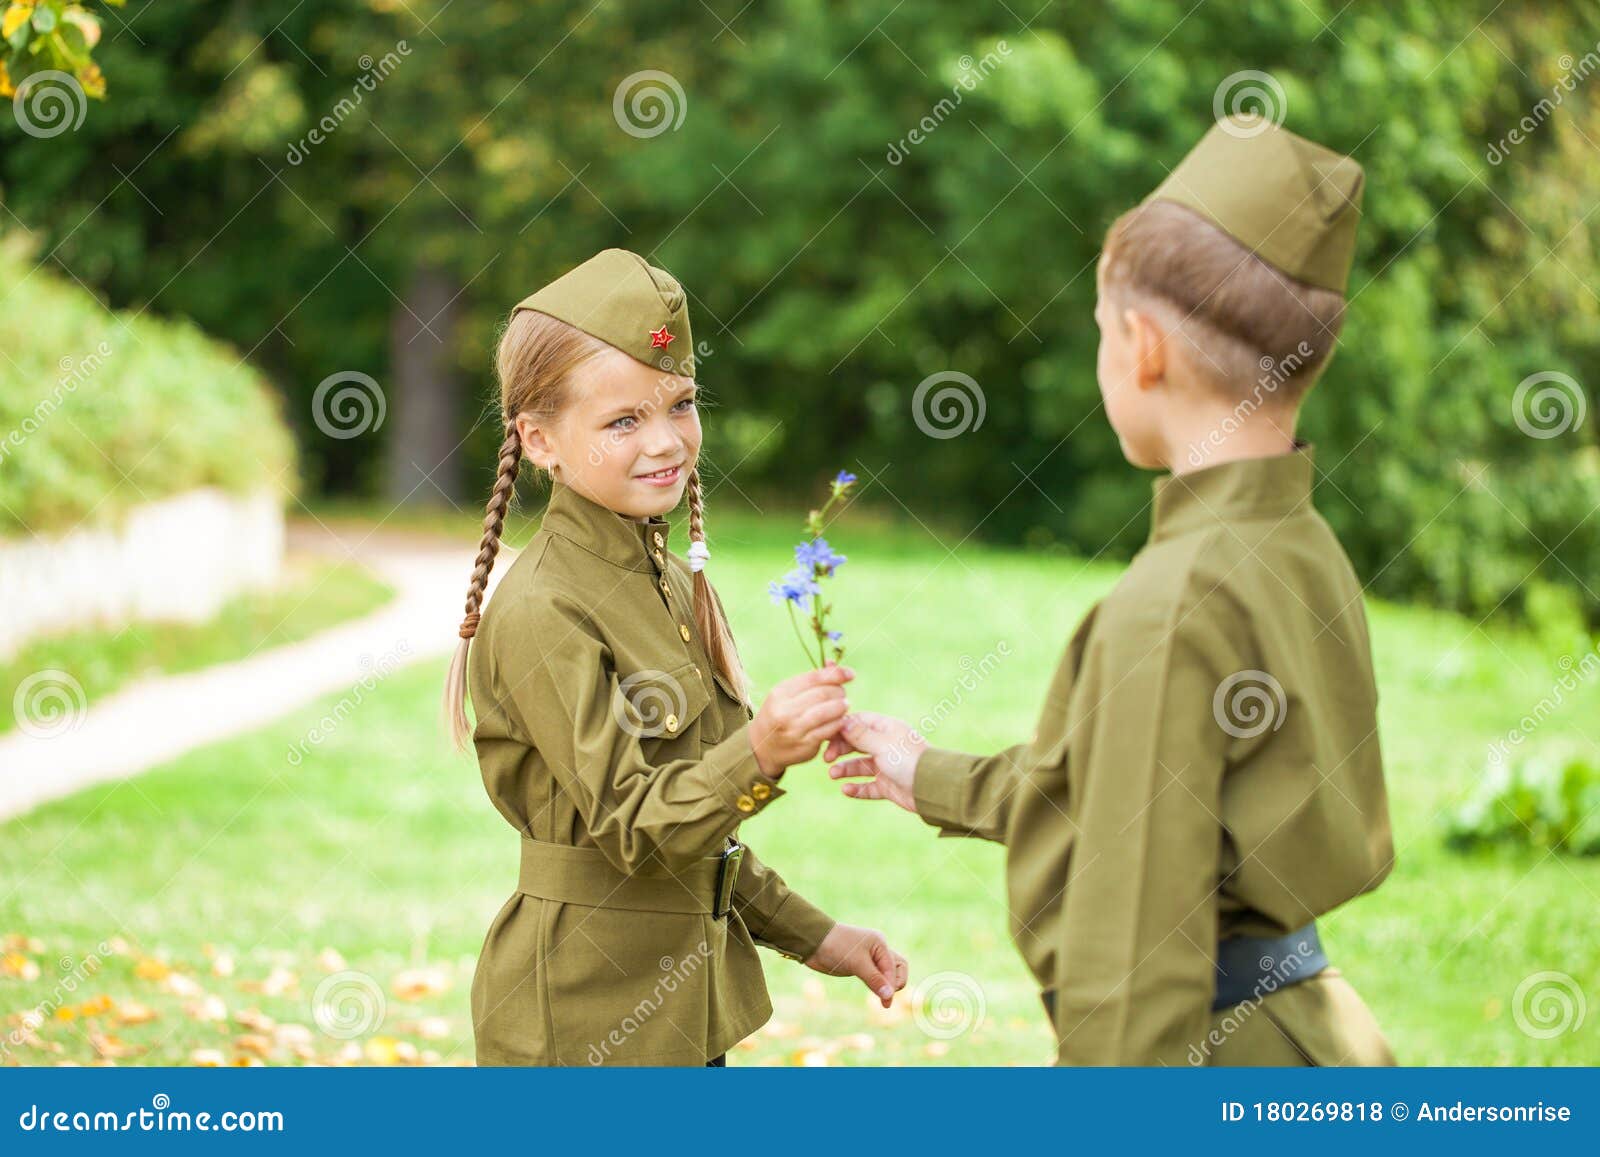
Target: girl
{"x": 613, "y": 728}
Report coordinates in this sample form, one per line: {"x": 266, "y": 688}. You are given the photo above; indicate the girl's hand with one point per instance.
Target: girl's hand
{"x": 797, "y": 715}
{"x": 862, "y": 952}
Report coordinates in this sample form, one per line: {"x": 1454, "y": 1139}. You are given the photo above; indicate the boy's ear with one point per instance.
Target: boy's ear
{"x": 1149, "y": 342}
{"x": 536, "y": 446}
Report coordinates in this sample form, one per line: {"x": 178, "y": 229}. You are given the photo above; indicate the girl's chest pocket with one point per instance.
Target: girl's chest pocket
{"x": 673, "y": 713}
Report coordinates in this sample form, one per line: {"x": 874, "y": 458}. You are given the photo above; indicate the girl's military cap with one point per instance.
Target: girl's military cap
{"x": 1292, "y": 202}
{"x": 626, "y": 302}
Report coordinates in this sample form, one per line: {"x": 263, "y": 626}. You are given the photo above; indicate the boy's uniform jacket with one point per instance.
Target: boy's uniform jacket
{"x": 624, "y": 763}
{"x": 1206, "y": 766}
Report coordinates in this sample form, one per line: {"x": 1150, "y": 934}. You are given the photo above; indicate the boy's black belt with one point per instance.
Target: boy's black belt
{"x": 1250, "y": 967}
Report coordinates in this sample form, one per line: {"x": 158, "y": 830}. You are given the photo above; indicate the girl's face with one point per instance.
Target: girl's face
{"x": 627, "y": 438}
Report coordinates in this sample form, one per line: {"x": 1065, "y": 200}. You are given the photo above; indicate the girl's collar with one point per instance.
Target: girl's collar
{"x": 620, "y": 540}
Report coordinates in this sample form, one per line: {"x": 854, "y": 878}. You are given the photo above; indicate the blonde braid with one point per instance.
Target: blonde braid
{"x": 494, "y": 521}
{"x": 708, "y": 613}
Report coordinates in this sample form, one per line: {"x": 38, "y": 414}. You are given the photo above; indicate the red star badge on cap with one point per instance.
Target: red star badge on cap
{"x": 660, "y": 339}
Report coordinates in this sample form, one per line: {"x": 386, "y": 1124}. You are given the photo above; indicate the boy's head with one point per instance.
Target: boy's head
{"x": 1221, "y": 296}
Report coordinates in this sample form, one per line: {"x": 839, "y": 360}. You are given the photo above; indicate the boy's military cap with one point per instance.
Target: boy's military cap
{"x": 1292, "y": 202}
{"x": 626, "y": 302}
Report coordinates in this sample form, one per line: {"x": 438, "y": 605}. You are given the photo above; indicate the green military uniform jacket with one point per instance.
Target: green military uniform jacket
{"x": 609, "y": 743}
{"x": 1206, "y": 765}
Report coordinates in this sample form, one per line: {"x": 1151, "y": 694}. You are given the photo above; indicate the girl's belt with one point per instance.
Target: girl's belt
{"x": 584, "y": 876}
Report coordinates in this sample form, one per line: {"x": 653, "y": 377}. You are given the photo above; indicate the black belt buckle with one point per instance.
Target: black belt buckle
{"x": 727, "y": 878}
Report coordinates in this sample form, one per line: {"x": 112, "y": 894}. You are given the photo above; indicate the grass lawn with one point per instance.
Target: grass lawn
{"x": 231, "y": 884}
{"x": 314, "y": 594}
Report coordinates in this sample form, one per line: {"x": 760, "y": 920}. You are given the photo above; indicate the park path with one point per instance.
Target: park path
{"x": 152, "y": 722}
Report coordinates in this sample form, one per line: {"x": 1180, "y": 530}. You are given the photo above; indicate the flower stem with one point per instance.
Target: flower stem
{"x": 805, "y": 648}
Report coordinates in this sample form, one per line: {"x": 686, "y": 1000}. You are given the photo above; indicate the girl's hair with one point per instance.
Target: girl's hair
{"x": 535, "y": 361}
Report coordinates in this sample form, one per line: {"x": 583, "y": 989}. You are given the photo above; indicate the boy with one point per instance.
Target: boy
{"x": 1205, "y": 779}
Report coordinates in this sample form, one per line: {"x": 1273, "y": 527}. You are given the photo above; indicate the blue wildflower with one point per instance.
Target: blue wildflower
{"x": 845, "y": 478}
{"x": 817, "y": 557}
{"x": 835, "y": 636}
{"x": 795, "y": 587}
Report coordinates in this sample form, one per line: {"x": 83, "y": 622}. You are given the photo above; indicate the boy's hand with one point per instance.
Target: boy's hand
{"x": 850, "y": 951}
{"x": 891, "y": 748}
{"x": 796, "y": 716}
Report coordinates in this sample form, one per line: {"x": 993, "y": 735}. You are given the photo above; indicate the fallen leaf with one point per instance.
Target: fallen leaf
{"x": 254, "y": 1042}
{"x": 255, "y": 1019}
{"x": 180, "y": 985}
{"x": 206, "y": 1058}
{"x": 17, "y": 965}
{"x": 293, "y": 1035}
{"x": 109, "y": 1045}
{"x": 209, "y": 1008}
{"x": 132, "y": 1012}
{"x": 419, "y": 983}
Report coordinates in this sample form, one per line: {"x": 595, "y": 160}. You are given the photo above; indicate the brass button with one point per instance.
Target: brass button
{"x": 760, "y": 790}
{"x": 666, "y": 588}
{"x": 683, "y": 629}
{"x": 745, "y": 804}
{"x": 659, "y": 540}
{"x": 661, "y": 559}
{"x": 672, "y": 724}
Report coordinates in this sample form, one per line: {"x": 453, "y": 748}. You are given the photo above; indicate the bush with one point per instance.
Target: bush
{"x": 1548, "y": 800}
{"x": 101, "y": 411}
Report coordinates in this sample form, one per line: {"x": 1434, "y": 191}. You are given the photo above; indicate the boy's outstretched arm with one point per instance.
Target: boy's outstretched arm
{"x": 960, "y": 794}
{"x": 1136, "y": 947}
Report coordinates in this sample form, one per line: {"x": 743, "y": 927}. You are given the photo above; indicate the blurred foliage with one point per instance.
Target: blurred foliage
{"x": 282, "y": 178}
{"x": 1548, "y": 800}
{"x": 101, "y": 411}
{"x": 50, "y": 36}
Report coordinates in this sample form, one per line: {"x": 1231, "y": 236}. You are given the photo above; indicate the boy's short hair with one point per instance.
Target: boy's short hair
{"x": 1248, "y": 323}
